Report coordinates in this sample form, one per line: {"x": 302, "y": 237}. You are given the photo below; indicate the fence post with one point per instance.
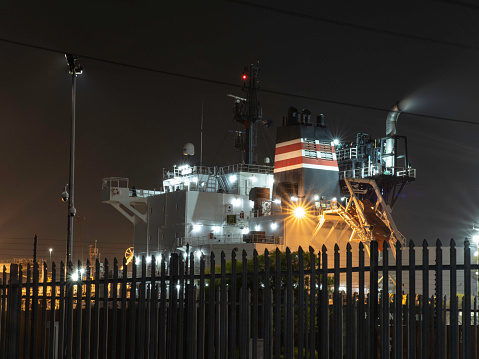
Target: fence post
{"x": 440, "y": 342}
{"x": 385, "y": 305}
{"x": 300, "y": 312}
{"x": 361, "y": 313}
{"x": 312, "y": 303}
{"x": 412, "y": 302}
{"x": 466, "y": 310}
{"x": 12, "y": 323}
{"x": 398, "y": 317}
{"x": 324, "y": 308}
{"x": 373, "y": 323}
{"x": 289, "y": 315}
{"x": 425, "y": 300}
{"x": 277, "y": 305}
{"x": 453, "y": 349}
{"x": 337, "y": 317}
{"x": 350, "y": 338}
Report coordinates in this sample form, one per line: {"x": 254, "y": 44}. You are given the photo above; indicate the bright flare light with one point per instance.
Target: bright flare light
{"x": 198, "y": 254}
{"x": 476, "y": 239}
{"x": 335, "y": 142}
{"x": 274, "y": 225}
{"x": 245, "y": 230}
{"x": 196, "y": 227}
{"x": 236, "y": 202}
{"x": 257, "y": 227}
{"x": 233, "y": 178}
{"x": 299, "y": 212}
{"x": 75, "y": 276}
{"x": 148, "y": 259}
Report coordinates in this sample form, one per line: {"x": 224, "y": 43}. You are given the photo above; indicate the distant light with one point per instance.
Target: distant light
{"x": 216, "y": 229}
{"x": 82, "y": 270}
{"x": 233, "y": 178}
{"x": 253, "y": 179}
{"x": 185, "y": 255}
{"x": 343, "y": 199}
{"x": 178, "y": 286}
{"x": 277, "y": 201}
{"x": 236, "y": 202}
{"x": 274, "y": 225}
{"x": 334, "y": 199}
{"x": 195, "y": 179}
{"x": 148, "y": 259}
{"x": 270, "y": 180}
{"x": 251, "y": 204}
{"x": 244, "y": 77}
{"x": 316, "y": 197}
{"x": 299, "y": 212}
{"x": 245, "y": 230}
{"x": 476, "y": 239}
{"x": 294, "y": 198}
{"x": 335, "y": 142}
{"x": 198, "y": 254}
{"x": 257, "y": 227}
{"x": 74, "y": 276}
{"x": 197, "y": 227}
{"x": 137, "y": 260}
{"x": 158, "y": 259}
{"x": 203, "y": 184}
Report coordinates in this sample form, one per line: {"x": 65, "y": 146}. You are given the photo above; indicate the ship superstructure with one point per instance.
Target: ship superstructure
{"x": 318, "y": 191}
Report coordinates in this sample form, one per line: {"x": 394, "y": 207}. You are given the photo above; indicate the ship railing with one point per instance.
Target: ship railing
{"x": 143, "y": 193}
{"x": 262, "y": 238}
{"x": 346, "y": 153}
{"x": 207, "y": 240}
{"x": 371, "y": 171}
{"x": 182, "y": 171}
{"x": 115, "y": 182}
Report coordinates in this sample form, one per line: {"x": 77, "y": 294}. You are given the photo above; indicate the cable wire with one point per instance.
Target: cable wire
{"x": 264, "y": 90}
{"x": 353, "y": 26}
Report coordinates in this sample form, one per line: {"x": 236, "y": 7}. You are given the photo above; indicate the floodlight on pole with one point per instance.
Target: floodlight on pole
{"x": 74, "y": 69}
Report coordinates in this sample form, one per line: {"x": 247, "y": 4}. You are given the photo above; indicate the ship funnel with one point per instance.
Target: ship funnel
{"x": 392, "y": 119}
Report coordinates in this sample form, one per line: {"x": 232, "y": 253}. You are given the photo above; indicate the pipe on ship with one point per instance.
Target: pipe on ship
{"x": 391, "y": 123}
{"x": 392, "y": 120}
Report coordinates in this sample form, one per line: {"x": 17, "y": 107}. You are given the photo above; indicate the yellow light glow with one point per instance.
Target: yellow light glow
{"x": 299, "y": 212}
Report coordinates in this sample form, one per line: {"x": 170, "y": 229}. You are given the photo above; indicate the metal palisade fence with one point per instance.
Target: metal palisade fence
{"x": 274, "y": 305}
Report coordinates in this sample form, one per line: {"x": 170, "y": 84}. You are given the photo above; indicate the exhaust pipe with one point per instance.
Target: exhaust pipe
{"x": 391, "y": 123}
{"x": 392, "y": 119}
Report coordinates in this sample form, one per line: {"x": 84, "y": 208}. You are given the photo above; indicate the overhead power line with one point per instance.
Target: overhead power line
{"x": 353, "y": 26}
{"x": 460, "y": 3}
{"x": 203, "y": 79}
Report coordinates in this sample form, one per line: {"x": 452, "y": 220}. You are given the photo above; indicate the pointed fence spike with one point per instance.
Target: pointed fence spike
{"x": 349, "y": 247}
{"x": 324, "y": 249}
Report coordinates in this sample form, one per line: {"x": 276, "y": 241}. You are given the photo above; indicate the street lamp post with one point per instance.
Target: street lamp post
{"x": 74, "y": 69}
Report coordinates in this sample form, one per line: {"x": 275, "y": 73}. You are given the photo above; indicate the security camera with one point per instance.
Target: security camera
{"x": 65, "y": 196}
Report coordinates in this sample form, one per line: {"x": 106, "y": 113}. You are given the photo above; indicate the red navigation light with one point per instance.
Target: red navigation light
{"x": 244, "y": 77}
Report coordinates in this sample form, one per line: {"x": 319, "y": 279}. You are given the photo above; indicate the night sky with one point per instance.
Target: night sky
{"x": 132, "y": 122}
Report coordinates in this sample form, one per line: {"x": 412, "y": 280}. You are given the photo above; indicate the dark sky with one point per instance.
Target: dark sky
{"x": 133, "y": 123}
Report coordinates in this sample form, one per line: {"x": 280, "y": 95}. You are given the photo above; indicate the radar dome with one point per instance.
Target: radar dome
{"x": 189, "y": 149}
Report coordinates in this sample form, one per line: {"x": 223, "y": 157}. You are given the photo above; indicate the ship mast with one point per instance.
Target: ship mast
{"x": 247, "y": 112}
